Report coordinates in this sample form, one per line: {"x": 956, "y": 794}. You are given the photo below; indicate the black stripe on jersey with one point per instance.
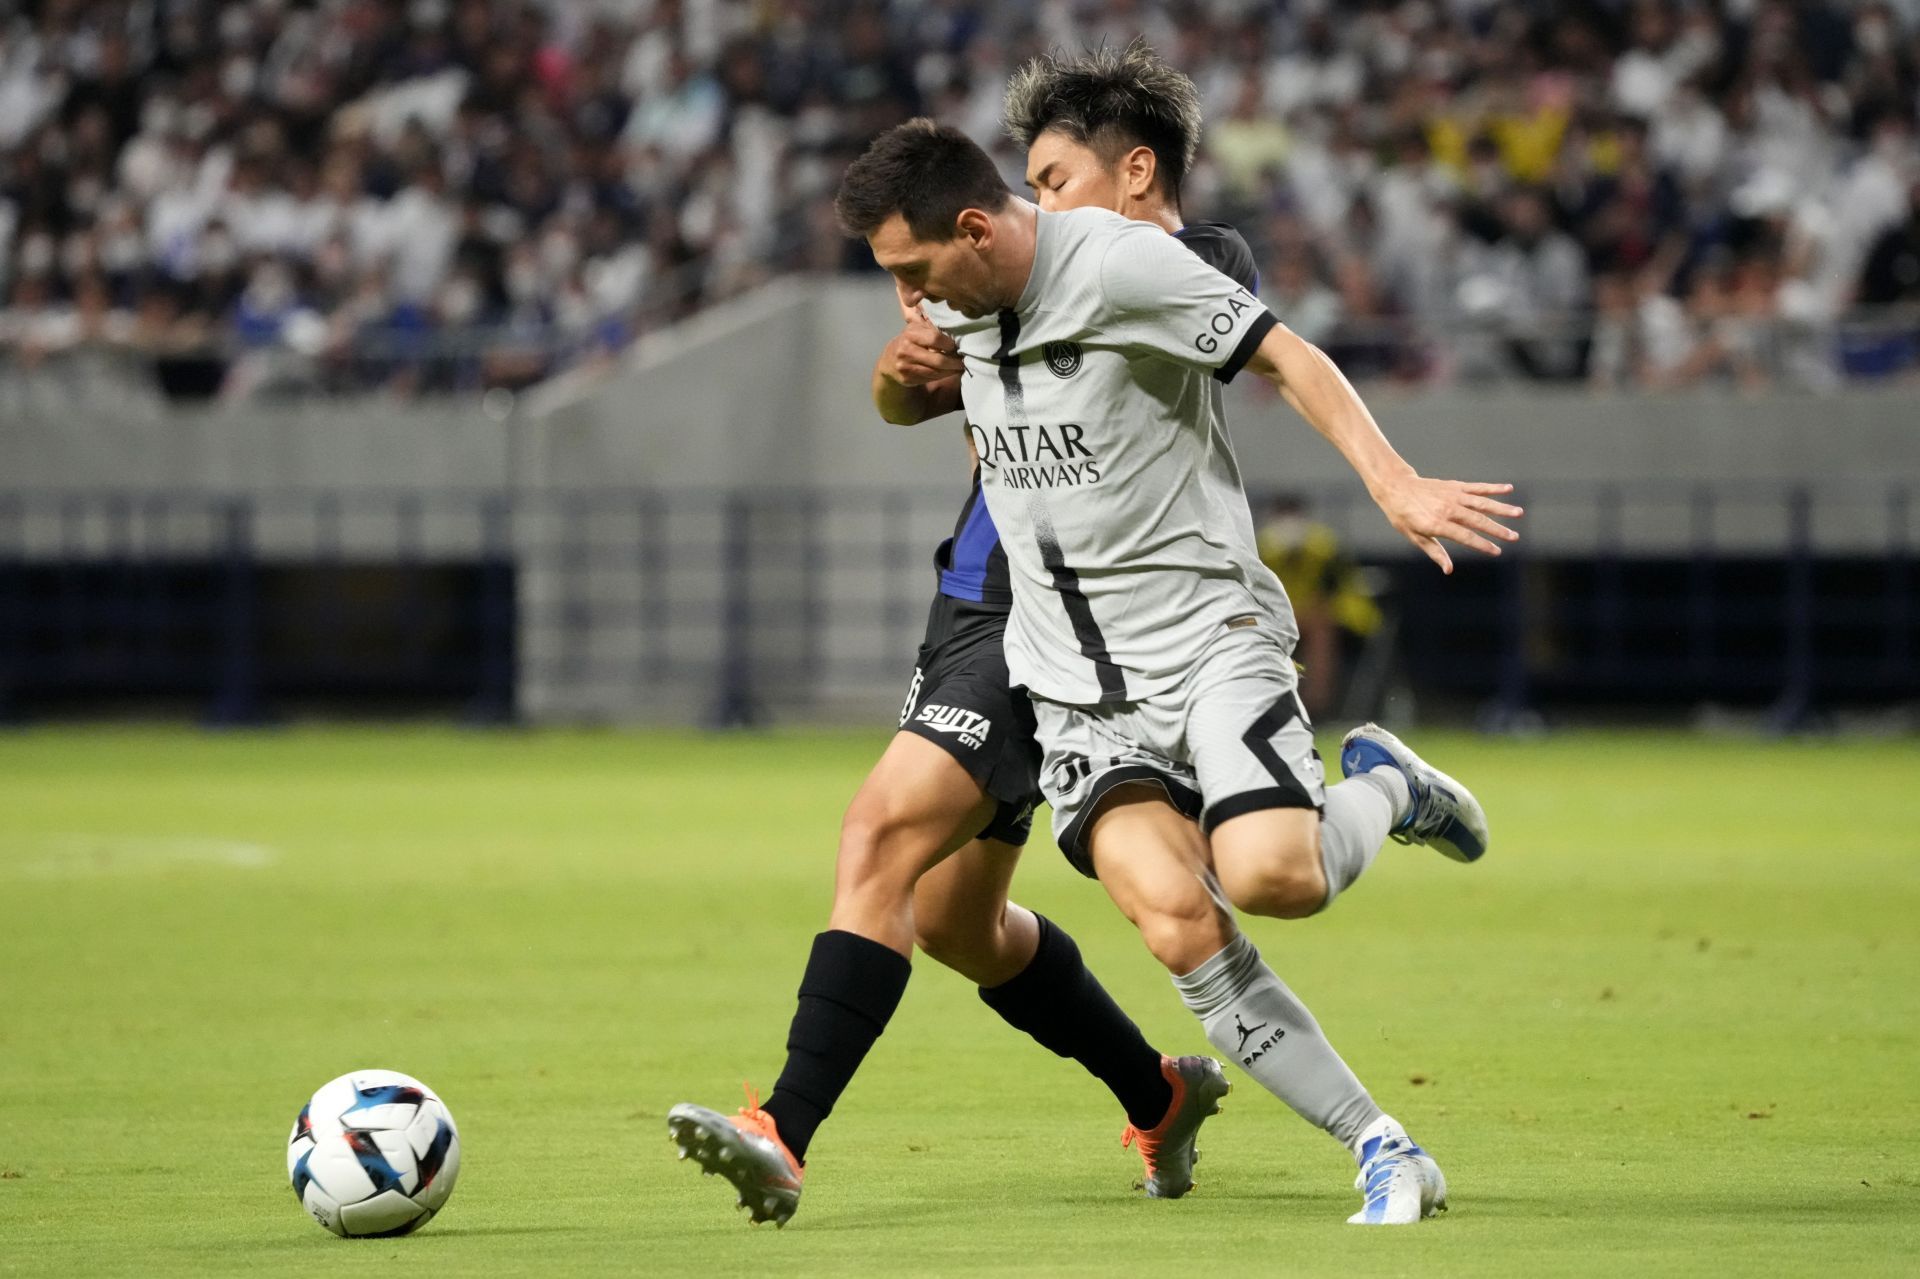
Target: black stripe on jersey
{"x": 1093, "y": 645}
{"x": 1066, "y": 582}
{"x": 1262, "y": 325}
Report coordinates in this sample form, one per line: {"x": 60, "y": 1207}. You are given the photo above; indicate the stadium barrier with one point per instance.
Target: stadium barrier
{"x": 745, "y": 606}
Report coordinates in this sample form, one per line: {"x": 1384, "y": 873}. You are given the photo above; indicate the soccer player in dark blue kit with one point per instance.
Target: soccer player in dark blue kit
{"x": 929, "y": 844}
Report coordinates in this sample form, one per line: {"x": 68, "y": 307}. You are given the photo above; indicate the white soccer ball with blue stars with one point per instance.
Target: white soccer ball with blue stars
{"x": 373, "y": 1155}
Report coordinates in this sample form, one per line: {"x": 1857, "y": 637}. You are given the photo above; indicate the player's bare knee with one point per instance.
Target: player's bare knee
{"x": 1185, "y": 936}
{"x": 1283, "y": 893}
{"x": 1288, "y": 887}
{"x": 1273, "y": 872}
{"x": 876, "y": 847}
{"x": 1177, "y": 950}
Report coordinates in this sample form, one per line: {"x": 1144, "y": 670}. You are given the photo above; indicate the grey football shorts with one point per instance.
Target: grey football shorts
{"x": 1231, "y": 738}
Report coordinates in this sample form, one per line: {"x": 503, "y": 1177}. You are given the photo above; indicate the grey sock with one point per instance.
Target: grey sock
{"x": 1252, "y": 1017}
{"x": 1359, "y": 813}
{"x": 1393, "y": 783}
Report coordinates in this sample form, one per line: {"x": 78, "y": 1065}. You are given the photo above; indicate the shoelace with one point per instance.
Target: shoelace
{"x": 1386, "y": 1160}
{"x": 1420, "y": 821}
{"x": 760, "y": 1122}
{"x": 1436, "y": 807}
{"x": 1149, "y": 1147}
{"x": 753, "y": 1114}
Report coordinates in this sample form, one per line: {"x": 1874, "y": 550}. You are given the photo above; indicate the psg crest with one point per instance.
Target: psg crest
{"x": 1063, "y": 358}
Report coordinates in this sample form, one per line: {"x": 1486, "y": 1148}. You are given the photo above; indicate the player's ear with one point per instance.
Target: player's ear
{"x": 975, "y": 226}
{"x": 1138, "y": 168}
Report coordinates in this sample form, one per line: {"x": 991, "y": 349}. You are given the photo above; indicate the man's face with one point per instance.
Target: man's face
{"x": 952, "y": 271}
{"x": 1065, "y": 174}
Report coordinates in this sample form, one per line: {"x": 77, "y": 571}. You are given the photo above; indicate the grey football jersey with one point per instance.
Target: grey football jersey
{"x": 1095, "y": 407}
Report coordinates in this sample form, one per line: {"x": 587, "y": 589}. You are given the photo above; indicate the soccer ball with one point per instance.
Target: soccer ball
{"x": 374, "y": 1154}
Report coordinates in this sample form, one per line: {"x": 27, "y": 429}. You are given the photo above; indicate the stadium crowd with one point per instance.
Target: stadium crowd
{"x": 450, "y": 193}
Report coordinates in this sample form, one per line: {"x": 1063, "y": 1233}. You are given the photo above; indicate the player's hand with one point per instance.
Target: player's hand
{"x": 1460, "y": 511}
{"x": 921, "y": 353}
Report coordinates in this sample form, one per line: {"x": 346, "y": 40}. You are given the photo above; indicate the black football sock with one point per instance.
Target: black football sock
{"x": 847, "y": 995}
{"x": 1063, "y": 1006}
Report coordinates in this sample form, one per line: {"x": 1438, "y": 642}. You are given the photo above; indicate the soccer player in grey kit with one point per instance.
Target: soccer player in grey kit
{"x": 1155, "y": 645}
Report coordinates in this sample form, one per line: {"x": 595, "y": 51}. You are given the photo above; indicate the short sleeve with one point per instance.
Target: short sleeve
{"x": 1161, "y": 296}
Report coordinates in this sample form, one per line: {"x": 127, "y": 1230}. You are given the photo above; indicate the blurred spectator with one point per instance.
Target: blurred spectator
{"x": 1626, "y": 213}
{"x": 1250, "y": 146}
{"x": 1334, "y": 608}
{"x": 1295, "y": 290}
{"x": 1892, "y": 274}
{"x": 1538, "y": 279}
{"x": 1891, "y": 280}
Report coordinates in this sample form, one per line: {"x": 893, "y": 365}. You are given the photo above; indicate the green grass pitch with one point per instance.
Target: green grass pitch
{"x": 1670, "y": 1026}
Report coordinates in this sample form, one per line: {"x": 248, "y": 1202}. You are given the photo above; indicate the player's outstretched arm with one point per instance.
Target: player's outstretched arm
{"x": 918, "y": 374}
{"x": 1424, "y": 510}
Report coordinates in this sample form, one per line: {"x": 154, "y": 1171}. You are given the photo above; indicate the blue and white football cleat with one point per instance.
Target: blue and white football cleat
{"x": 1444, "y": 815}
{"x": 1401, "y": 1182}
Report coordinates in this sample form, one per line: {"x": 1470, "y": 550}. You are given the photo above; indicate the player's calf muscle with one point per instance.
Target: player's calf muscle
{"x": 962, "y": 919}
{"x": 971, "y": 945}
{"x": 958, "y": 933}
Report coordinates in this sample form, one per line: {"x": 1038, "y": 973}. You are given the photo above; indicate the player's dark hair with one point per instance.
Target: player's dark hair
{"x": 1111, "y": 101}
{"x": 927, "y": 173}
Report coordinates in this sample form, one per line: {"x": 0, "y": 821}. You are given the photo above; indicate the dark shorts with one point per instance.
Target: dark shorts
{"x": 959, "y": 701}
